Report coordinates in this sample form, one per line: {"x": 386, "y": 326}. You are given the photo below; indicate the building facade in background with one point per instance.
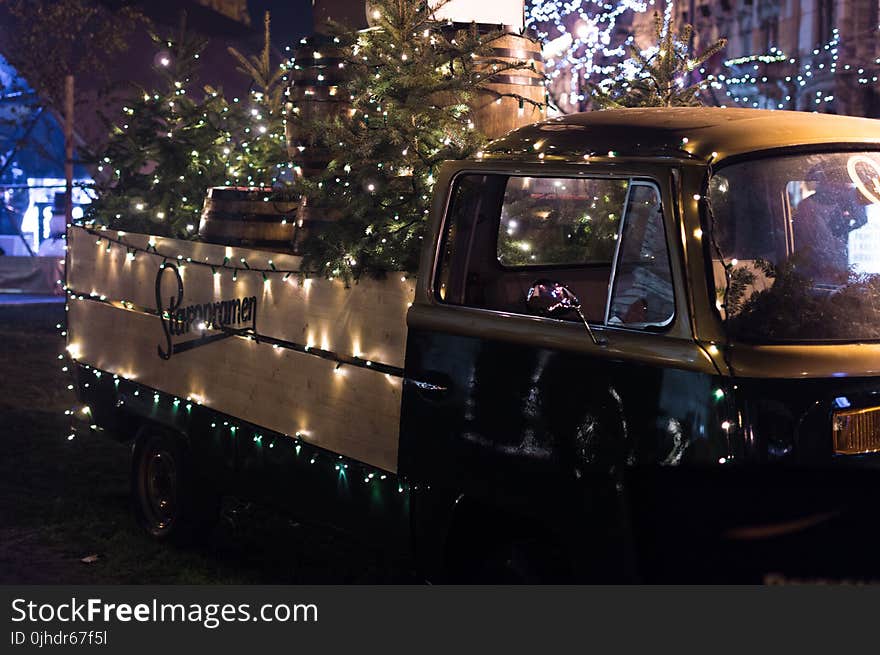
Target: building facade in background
{"x": 812, "y": 55}
{"x": 237, "y": 10}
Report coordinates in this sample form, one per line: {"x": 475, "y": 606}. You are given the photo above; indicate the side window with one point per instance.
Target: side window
{"x": 505, "y": 232}
{"x": 471, "y": 224}
{"x": 549, "y": 221}
{"x": 642, "y": 296}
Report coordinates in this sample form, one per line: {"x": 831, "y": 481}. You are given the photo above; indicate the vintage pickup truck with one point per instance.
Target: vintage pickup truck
{"x": 642, "y": 345}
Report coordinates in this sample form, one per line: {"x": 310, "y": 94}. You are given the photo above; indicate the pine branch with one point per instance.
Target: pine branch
{"x": 659, "y": 80}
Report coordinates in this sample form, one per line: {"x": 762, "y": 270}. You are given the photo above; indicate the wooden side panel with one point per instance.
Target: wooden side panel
{"x": 367, "y": 320}
{"x": 350, "y": 410}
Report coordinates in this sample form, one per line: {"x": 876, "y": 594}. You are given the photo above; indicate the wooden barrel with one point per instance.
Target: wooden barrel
{"x": 317, "y": 90}
{"x": 312, "y": 220}
{"x": 494, "y": 113}
{"x": 249, "y": 217}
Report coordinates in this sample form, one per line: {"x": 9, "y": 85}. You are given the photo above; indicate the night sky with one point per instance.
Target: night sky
{"x": 291, "y": 19}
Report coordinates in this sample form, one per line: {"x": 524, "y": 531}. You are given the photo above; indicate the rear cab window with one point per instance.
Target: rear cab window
{"x": 602, "y": 237}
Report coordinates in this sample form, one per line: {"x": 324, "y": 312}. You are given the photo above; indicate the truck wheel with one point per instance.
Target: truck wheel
{"x": 168, "y": 501}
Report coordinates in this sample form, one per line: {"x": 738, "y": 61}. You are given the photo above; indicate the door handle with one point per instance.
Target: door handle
{"x": 428, "y": 390}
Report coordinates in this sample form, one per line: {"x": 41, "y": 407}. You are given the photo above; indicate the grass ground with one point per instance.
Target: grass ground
{"x": 65, "y": 501}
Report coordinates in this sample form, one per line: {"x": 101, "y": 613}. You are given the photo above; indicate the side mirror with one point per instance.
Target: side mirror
{"x": 554, "y": 300}
{"x": 550, "y": 298}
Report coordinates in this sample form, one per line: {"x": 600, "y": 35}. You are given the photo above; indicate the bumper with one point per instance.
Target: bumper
{"x": 760, "y": 526}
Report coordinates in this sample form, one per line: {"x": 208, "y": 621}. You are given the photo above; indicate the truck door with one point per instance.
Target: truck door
{"x": 517, "y": 409}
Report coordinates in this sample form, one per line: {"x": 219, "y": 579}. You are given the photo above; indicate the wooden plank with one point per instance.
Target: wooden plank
{"x": 368, "y": 320}
{"x": 352, "y": 411}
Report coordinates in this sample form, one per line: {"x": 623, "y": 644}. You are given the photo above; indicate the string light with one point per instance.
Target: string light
{"x": 324, "y": 352}
{"x": 132, "y": 250}
{"x": 195, "y": 403}
{"x": 775, "y": 80}
{"x": 580, "y": 40}
{"x": 334, "y": 462}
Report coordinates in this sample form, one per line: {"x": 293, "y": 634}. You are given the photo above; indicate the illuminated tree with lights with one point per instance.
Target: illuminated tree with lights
{"x": 661, "y": 74}
{"x": 175, "y": 142}
{"x": 262, "y": 148}
{"x": 165, "y": 151}
{"x": 410, "y": 78}
{"x": 584, "y": 43}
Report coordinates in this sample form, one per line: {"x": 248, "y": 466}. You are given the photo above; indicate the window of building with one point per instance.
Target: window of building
{"x": 505, "y": 232}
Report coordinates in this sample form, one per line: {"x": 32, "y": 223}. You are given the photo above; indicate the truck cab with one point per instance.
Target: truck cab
{"x": 644, "y": 345}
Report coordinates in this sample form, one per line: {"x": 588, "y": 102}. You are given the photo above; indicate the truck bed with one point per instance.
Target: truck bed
{"x": 304, "y": 357}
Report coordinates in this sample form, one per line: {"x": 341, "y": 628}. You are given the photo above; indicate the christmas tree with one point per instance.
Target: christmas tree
{"x": 175, "y": 142}
{"x": 261, "y": 145}
{"x": 163, "y": 154}
{"x": 410, "y": 78}
{"x": 661, "y": 75}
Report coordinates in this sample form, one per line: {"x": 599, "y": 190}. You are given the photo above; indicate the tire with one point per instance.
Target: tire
{"x": 170, "y": 502}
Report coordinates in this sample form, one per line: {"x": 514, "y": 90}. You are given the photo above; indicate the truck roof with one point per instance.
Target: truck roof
{"x": 681, "y": 132}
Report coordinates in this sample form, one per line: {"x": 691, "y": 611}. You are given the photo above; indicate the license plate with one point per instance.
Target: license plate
{"x": 857, "y": 431}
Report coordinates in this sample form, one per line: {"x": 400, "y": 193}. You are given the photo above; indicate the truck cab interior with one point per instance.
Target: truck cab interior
{"x": 505, "y": 232}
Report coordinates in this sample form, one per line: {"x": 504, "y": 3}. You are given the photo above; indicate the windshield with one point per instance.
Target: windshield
{"x": 795, "y": 245}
